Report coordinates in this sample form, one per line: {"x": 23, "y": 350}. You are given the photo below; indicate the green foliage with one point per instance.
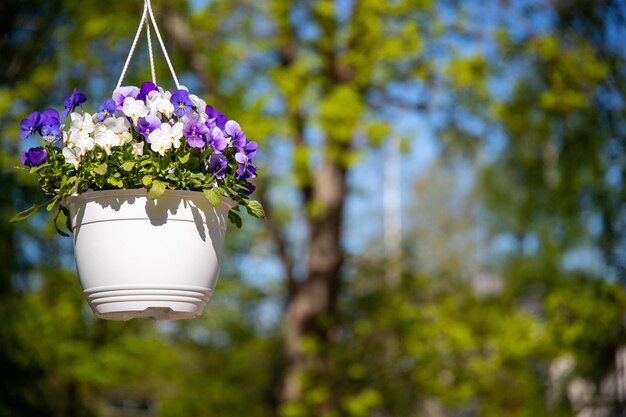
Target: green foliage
{"x": 120, "y": 168}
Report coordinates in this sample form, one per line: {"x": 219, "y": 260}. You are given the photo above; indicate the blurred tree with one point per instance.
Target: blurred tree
{"x": 555, "y": 192}
{"x": 329, "y": 67}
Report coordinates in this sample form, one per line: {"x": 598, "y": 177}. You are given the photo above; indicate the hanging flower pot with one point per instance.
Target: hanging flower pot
{"x": 139, "y": 258}
{"x": 146, "y": 182}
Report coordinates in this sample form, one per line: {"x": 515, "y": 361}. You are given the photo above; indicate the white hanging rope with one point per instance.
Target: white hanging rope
{"x": 147, "y": 9}
{"x": 134, "y": 45}
{"x": 156, "y": 29}
{"x": 152, "y": 71}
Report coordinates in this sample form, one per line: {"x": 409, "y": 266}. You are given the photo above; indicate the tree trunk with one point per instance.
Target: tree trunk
{"x": 312, "y": 305}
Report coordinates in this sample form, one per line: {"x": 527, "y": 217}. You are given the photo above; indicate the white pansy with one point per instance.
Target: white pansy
{"x": 72, "y": 156}
{"x": 154, "y": 94}
{"x": 107, "y": 139}
{"x": 125, "y": 137}
{"x": 81, "y": 126}
{"x": 158, "y": 141}
{"x": 116, "y": 124}
{"x": 134, "y": 109}
{"x": 85, "y": 144}
{"x": 138, "y": 148}
{"x": 73, "y": 138}
{"x": 197, "y": 102}
{"x": 150, "y": 99}
{"x": 173, "y": 133}
{"x": 162, "y": 106}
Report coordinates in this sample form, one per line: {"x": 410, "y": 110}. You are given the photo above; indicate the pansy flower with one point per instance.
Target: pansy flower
{"x": 34, "y": 157}
{"x": 134, "y": 109}
{"x": 28, "y": 126}
{"x": 216, "y": 140}
{"x": 105, "y": 109}
{"x": 121, "y": 93}
{"x": 72, "y": 156}
{"x": 147, "y": 125}
{"x": 50, "y": 118}
{"x": 250, "y": 149}
{"x": 218, "y": 164}
{"x": 51, "y": 133}
{"x": 73, "y": 100}
{"x": 181, "y": 101}
{"x": 145, "y": 89}
{"x": 245, "y": 168}
{"x": 195, "y": 130}
{"x": 251, "y": 188}
{"x": 233, "y": 130}
{"x": 215, "y": 117}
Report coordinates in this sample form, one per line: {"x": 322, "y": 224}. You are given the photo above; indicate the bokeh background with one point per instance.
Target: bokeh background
{"x": 445, "y": 189}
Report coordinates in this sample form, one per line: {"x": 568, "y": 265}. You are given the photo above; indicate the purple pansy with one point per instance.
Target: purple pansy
{"x": 251, "y": 188}
{"x": 218, "y": 164}
{"x": 48, "y": 118}
{"x": 105, "y": 109}
{"x": 216, "y": 140}
{"x": 51, "y": 133}
{"x": 34, "y": 157}
{"x": 195, "y": 130}
{"x": 233, "y": 130}
{"x": 250, "y": 149}
{"x": 215, "y": 118}
{"x": 240, "y": 142}
{"x": 181, "y": 101}
{"x": 28, "y": 126}
{"x": 73, "y": 100}
{"x": 245, "y": 168}
{"x": 148, "y": 124}
{"x": 145, "y": 89}
{"x": 120, "y": 94}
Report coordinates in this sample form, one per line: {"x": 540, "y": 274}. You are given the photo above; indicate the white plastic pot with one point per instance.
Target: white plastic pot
{"x": 139, "y": 258}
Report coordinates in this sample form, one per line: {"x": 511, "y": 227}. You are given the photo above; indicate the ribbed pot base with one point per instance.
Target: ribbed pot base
{"x": 159, "y": 303}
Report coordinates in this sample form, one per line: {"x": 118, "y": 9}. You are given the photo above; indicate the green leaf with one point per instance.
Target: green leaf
{"x": 128, "y": 166}
{"x": 234, "y": 219}
{"x": 184, "y": 158}
{"x": 68, "y": 219}
{"x": 212, "y": 196}
{"x": 23, "y": 215}
{"x": 146, "y": 180}
{"x": 255, "y": 209}
{"x": 38, "y": 168}
{"x": 156, "y": 190}
{"x": 56, "y": 225}
{"x": 52, "y": 203}
{"x": 101, "y": 169}
{"x": 194, "y": 163}
{"x": 116, "y": 182}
